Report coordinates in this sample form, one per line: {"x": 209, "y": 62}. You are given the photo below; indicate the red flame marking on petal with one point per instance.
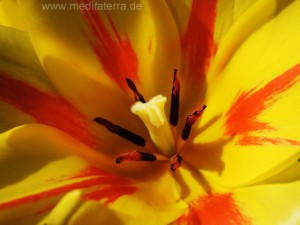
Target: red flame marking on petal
{"x": 46, "y": 108}
{"x": 105, "y": 185}
{"x": 150, "y": 47}
{"x": 214, "y": 209}
{"x": 254, "y": 140}
{"x": 116, "y": 56}
{"x": 242, "y": 117}
{"x": 197, "y": 42}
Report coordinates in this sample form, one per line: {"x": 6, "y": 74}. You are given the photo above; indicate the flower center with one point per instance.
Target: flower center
{"x": 152, "y": 113}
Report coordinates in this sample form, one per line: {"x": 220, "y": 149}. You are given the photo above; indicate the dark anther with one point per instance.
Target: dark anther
{"x": 137, "y": 96}
{"x": 175, "y": 100}
{"x": 190, "y": 120}
{"x": 128, "y": 135}
{"x": 175, "y": 162}
{"x": 135, "y": 156}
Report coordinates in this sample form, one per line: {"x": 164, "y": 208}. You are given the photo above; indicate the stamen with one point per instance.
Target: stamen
{"x": 122, "y": 132}
{"x": 152, "y": 113}
{"x": 175, "y": 162}
{"x": 135, "y": 156}
{"x": 175, "y": 100}
{"x": 190, "y": 120}
{"x": 137, "y": 96}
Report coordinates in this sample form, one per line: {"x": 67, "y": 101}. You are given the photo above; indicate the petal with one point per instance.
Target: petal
{"x": 98, "y": 100}
{"x": 18, "y": 59}
{"x": 202, "y": 25}
{"x": 92, "y": 212}
{"x": 220, "y": 28}
{"x": 144, "y": 201}
{"x": 10, "y": 15}
{"x": 11, "y": 117}
{"x": 112, "y": 39}
{"x": 88, "y": 212}
{"x": 260, "y": 111}
{"x": 271, "y": 204}
{"x": 217, "y": 209}
{"x": 64, "y": 209}
{"x": 46, "y": 108}
{"x": 38, "y": 179}
{"x": 263, "y": 204}
{"x": 236, "y": 21}
{"x": 156, "y": 202}
{"x": 196, "y": 23}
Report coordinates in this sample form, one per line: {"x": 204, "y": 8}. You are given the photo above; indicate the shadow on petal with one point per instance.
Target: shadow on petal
{"x": 23, "y": 150}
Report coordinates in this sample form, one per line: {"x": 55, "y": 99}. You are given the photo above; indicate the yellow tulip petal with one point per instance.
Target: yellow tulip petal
{"x": 64, "y": 209}
{"x": 134, "y": 210}
{"x": 228, "y": 13}
{"x": 261, "y": 205}
{"x": 156, "y": 202}
{"x": 107, "y": 45}
{"x": 93, "y": 213}
{"x": 42, "y": 169}
{"x": 153, "y": 203}
{"x": 217, "y": 209}
{"x": 11, "y": 117}
{"x": 47, "y": 108}
{"x": 97, "y": 101}
{"x": 10, "y": 15}
{"x": 218, "y": 27}
{"x": 195, "y": 21}
{"x": 19, "y": 60}
{"x": 258, "y": 111}
{"x": 271, "y": 204}
{"x": 235, "y": 22}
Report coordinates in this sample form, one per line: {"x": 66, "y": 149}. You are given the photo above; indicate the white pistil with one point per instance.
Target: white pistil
{"x": 152, "y": 113}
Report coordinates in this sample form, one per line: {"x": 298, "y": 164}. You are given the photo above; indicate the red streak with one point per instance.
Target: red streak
{"x": 214, "y": 209}
{"x": 46, "y": 108}
{"x": 254, "y": 140}
{"x": 105, "y": 185}
{"x": 116, "y": 55}
{"x": 197, "y": 41}
{"x": 242, "y": 117}
{"x": 150, "y": 47}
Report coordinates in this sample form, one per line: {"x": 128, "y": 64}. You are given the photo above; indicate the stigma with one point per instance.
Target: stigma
{"x": 152, "y": 113}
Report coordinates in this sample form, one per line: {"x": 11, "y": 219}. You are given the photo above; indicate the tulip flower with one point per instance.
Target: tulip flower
{"x": 149, "y": 112}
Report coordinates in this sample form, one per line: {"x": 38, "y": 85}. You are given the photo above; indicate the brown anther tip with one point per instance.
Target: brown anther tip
{"x": 130, "y": 84}
{"x": 135, "y": 156}
{"x": 190, "y": 120}
{"x": 137, "y": 96}
{"x": 174, "y": 112}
